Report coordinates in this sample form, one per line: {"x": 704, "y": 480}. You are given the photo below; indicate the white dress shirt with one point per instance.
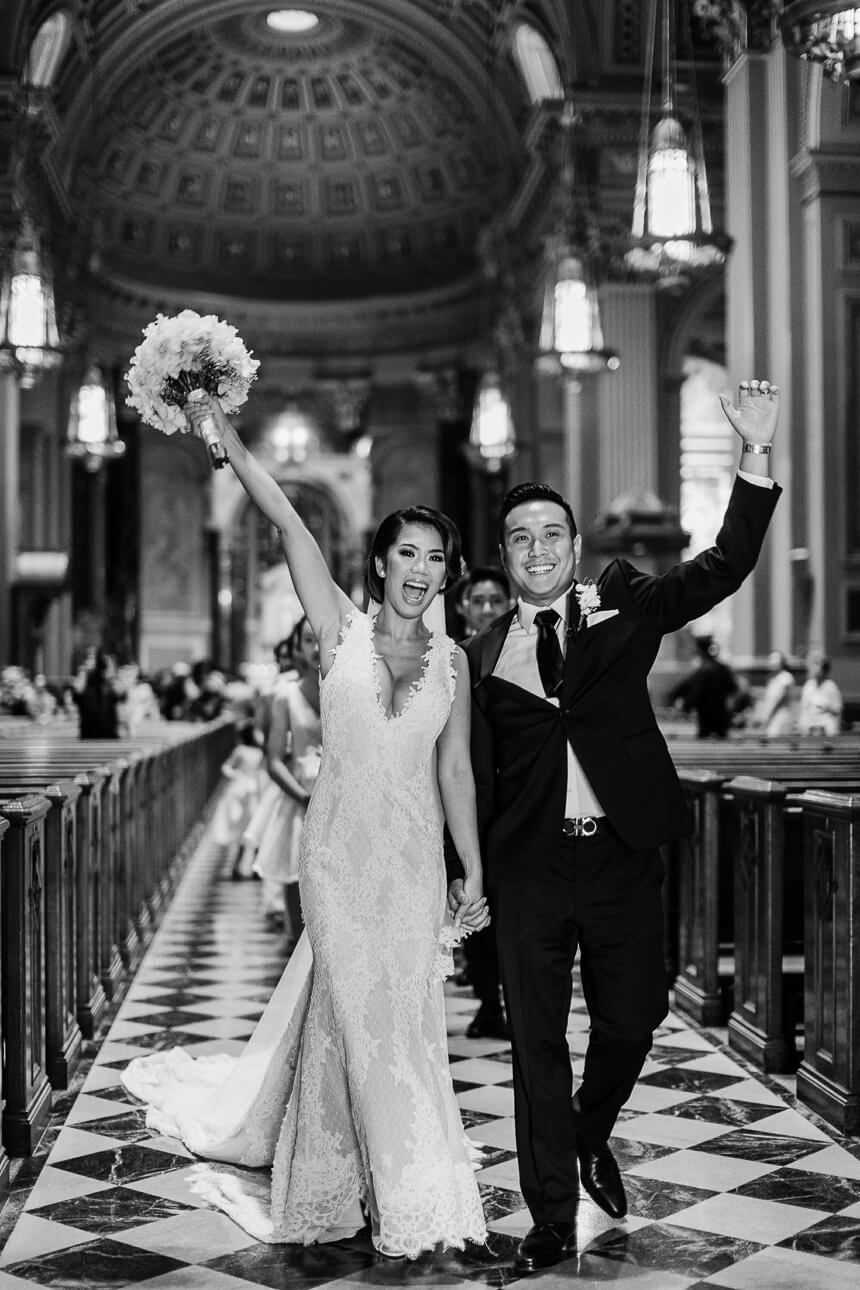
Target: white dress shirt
{"x": 518, "y": 663}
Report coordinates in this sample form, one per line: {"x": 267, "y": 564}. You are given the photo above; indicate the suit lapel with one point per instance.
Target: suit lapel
{"x": 491, "y": 645}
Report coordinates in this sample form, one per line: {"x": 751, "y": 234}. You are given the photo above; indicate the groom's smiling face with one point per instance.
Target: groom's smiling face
{"x": 539, "y": 553}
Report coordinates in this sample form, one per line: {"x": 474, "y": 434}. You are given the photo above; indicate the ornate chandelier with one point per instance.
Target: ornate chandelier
{"x": 492, "y": 437}
{"x": 672, "y": 234}
{"x": 571, "y": 334}
{"x": 91, "y": 435}
{"x": 824, "y": 33}
{"x": 29, "y": 341}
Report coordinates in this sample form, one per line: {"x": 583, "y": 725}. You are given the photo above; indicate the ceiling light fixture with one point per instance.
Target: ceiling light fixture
{"x": 291, "y": 22}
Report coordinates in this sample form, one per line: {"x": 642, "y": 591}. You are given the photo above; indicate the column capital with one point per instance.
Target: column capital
{"x": 740, "y": 26}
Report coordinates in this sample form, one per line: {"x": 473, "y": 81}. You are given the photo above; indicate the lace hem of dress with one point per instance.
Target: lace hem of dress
{"x": 449, "y": 938}
{"x": 450, "y": 1213}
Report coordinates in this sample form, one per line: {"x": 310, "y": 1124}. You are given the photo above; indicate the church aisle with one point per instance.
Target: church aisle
{"x": 729, "y": 1185}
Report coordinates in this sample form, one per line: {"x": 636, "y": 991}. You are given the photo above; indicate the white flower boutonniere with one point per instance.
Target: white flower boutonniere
{"x": 588, "y": 599}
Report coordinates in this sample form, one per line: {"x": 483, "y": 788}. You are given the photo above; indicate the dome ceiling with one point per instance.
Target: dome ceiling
{"x": 349, "y": 160}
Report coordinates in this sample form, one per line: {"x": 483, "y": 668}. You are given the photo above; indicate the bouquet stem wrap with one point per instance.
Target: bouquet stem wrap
{"x": 205, "y": 426}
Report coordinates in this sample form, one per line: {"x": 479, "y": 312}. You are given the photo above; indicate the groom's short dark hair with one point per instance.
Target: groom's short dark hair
{"x": 532, "y": 492}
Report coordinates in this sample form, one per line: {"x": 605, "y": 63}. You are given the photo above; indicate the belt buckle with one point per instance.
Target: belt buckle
{"x": 584, "y": 826}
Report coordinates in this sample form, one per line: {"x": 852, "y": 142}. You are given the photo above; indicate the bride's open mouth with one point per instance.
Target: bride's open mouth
{"x": 414, "y": 592}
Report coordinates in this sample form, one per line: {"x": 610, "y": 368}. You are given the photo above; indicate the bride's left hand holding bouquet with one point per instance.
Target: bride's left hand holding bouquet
{"x": 182, "y": 360}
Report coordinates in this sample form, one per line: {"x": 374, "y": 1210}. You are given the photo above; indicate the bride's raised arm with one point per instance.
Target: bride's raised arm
{"x": 325, "y": 604}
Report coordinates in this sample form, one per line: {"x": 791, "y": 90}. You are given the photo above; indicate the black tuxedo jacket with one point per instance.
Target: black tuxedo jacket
{"x": 519, "y": 741}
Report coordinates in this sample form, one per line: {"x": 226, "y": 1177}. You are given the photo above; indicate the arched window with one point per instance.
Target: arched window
{"x": 48, "y": 49}
{"x": 537, "y": 64}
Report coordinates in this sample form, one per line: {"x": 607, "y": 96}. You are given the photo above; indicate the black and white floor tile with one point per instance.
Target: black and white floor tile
{"x": 730, "y": 1185}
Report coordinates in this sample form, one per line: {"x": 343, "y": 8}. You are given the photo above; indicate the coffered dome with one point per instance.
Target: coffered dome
{"x": 342, "y": 161}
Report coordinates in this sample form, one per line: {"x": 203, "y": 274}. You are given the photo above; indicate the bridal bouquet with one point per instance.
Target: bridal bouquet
{"x": 180, "y": 356}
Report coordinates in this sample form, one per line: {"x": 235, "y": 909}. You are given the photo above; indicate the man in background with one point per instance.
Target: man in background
{"x": 483, "y": 595}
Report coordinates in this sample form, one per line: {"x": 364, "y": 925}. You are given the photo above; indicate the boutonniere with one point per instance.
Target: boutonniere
{"x": 588, "y": 599}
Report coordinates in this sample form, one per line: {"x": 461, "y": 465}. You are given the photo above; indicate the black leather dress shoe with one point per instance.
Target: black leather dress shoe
{"x": 487, "y": 1024}
{"x": 545, "y": 1245}
{"x": 601, "y": 1178}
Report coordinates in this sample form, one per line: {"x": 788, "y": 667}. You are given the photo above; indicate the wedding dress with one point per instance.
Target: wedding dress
{"x": 345, "y": 1088}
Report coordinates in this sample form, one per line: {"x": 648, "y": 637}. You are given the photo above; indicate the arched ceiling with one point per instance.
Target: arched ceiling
{"x": 358, "y": 159}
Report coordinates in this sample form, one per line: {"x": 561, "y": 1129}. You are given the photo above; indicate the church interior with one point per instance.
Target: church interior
{"x": 468, "y": 243}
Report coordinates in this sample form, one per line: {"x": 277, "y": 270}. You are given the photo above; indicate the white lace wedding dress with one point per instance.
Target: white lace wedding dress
{"x": 345, "y": 1088}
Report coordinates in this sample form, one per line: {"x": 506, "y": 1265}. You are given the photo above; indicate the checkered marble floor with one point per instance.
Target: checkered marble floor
{"x": 730, "y": 1184}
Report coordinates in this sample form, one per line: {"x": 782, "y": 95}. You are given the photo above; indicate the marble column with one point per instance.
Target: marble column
{"x": 10, "y": 418}
{"x": 759, "y": 312}
{"x": 627, "y": 398}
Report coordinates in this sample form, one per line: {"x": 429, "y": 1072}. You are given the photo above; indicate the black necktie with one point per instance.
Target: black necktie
{"x": 550, "y": 659}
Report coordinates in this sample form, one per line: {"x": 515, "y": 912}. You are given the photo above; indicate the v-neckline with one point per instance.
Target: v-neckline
{"x": 415, "y": 687}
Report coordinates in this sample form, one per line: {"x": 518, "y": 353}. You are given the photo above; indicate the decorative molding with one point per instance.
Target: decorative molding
{"x": 739, "y": 26}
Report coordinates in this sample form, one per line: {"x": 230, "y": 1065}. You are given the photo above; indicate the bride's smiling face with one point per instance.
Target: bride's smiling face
{"x": 413, "y": 569}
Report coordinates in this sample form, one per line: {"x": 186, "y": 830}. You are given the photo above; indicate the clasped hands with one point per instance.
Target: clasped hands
{"x": 467, "y": 904}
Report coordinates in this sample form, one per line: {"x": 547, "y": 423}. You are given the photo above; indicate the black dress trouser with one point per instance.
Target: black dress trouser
{"x": 598, "y": 896}
{"x": 483, "y": 964}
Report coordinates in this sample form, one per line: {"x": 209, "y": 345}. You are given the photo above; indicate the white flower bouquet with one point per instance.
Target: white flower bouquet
{"x": 180, "y": 356}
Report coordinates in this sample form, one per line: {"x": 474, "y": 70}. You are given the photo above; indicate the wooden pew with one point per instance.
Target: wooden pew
{"x": 4, "y": 1158}
{"x": 96, "y": 832}
{"x": 26, "y": 1088}
{"x": 828, "y": 1078}
{"x": 716, "y": 891}
{"x": 63, "y": 1037}
{"x": 695, "y": 866}
{"x": 101, "y": 786}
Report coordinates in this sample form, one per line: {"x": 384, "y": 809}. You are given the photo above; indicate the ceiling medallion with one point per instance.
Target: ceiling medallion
{"x": 292, "y": 22}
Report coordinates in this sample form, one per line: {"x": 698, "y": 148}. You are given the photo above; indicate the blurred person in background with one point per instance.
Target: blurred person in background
{"x": 708, "y": 691}
{"x": 774, "y": 712}
{"x": 211, "y": 699}
{"x": 98, "y": 699}
{"x": 243, "y": 772}
{"x": 41, "y": 701}
{"x": 820, "y": 700}
{"x": 293, "y": 751}
{"x": 179, "y": 693}
{"x": 482, "y": 596}
{"x": 274, "y": 908}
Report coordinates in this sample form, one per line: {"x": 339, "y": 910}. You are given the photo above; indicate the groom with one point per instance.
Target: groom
{"x": 576, "y": 790}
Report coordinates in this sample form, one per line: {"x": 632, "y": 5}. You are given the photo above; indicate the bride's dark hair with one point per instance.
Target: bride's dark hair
{"x": 389, "y": 531}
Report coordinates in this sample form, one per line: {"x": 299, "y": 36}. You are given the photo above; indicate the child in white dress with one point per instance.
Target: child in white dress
{"x": 292, "y": 760}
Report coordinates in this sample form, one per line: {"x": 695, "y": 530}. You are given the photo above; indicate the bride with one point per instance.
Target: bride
{"x": 344, "y": 1088}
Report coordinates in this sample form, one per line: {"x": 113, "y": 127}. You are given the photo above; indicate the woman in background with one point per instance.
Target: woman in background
{"x": 293, "y": 753}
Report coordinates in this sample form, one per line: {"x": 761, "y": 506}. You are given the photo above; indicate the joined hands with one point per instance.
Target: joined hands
{"x": 467, "y": 904}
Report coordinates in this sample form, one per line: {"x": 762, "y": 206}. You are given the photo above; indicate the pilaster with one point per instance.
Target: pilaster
{"x": 10, "y": 523}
